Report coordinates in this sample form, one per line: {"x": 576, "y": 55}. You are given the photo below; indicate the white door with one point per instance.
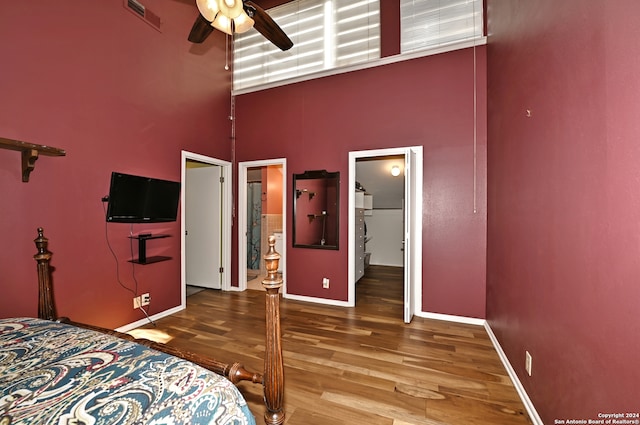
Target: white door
{"x": 203, "y": 225}
{"x": 412, "y": 237}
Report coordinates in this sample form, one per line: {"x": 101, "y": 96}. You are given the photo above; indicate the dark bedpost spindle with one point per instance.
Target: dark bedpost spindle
{"x": 273, "y": 361}
{"x": 46, "y": 307}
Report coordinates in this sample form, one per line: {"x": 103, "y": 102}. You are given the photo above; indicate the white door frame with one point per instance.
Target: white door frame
{"x": 225, "y": 214}
{"x": 416, "y": 255}
{"x": 242, "y": 217}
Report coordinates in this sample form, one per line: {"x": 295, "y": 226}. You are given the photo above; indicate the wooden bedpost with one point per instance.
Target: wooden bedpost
{"x": 46, "y": 306}
{"x": 273, "y": 361}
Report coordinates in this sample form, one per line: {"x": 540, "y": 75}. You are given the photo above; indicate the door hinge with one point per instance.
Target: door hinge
{"x": 221, "y": 269}
{"x": 221, "y": 179}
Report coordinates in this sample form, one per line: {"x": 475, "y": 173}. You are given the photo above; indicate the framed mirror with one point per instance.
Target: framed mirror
{"x": 316, "y": 197}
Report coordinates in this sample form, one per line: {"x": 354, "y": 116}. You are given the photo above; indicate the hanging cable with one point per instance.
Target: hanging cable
{"x": 475, "y": 119}
{"x": 133, "y": 291}
{"x": 232, "y": 118}
{"x": 226, "y": 53}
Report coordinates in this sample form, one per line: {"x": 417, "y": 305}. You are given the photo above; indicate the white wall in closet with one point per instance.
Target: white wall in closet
{"x": 385, "y": 229}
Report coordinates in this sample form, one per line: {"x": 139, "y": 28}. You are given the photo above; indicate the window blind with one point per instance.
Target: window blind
{"x": 357, "y": 31}
{"x": 430, "y": 23}
{"x": 326, "y": 34}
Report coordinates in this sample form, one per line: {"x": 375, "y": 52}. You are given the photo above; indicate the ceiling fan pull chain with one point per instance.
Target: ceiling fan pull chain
{"x": 226, "y": 53}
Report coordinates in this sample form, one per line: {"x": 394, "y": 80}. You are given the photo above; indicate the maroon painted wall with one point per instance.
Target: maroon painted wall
{"x": 116, "y": 94}
{"x": 389, "y": 28}
{"x": 564, "y": 200}
{"x": 426, "y": 101}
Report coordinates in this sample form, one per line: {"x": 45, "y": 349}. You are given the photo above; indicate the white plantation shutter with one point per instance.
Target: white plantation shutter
{"x": 431, "y": 23}
{"x": 326, "y": 34}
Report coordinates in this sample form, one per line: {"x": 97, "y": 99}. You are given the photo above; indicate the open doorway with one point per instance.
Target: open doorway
{"x": 261, "y": 213}
{"x": 383, "y": 212}
{"x": 404, "y": 218}
{"x": 205, "y": 223}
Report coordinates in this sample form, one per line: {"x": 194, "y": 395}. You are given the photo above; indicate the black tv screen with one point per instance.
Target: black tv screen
{"x": 137, "y": 199}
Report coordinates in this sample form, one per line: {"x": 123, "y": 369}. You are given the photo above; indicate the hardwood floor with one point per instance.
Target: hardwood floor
{"x": 359, "y": 365}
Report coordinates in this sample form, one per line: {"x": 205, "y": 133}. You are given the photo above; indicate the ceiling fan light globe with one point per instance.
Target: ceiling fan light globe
{"x": 231, "y": 8}
{"x": 208, "y": 9}
{"x": 223, "y": 24}
{"x": 243, "y": 23}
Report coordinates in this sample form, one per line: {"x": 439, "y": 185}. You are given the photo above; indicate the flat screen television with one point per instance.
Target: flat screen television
{"x": 137, "y": 199}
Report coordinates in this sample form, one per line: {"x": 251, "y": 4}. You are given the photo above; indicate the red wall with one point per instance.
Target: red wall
{"x": 564, "y": 200}
{"x": 97, "y": 81}
{"x": 426, "y": 101}
{"x": 390, "y": 28}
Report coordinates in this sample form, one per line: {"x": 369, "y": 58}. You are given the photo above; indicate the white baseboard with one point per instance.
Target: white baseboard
{"x": 315, "y": 300}
{"x": 533, "y": 414}
{"x": 134, "y": 325}
{"x": 451, "y": 318}
{"x": 235, "y": 289}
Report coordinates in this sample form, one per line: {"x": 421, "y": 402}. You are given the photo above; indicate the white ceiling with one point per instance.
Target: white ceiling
{"x": 374, "y": 174}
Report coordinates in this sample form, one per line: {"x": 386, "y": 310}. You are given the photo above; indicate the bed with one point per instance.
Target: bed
{"x": 56, "y": 371}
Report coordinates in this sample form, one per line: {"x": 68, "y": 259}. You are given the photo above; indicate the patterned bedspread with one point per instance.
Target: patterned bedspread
{"x": 53, "y": 373}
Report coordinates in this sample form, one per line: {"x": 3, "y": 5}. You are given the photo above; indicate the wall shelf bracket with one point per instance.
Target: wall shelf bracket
{"x": 30, "y": 153}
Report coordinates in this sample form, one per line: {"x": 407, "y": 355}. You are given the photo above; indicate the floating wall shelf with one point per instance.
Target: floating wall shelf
{"x": 30, "y": 153}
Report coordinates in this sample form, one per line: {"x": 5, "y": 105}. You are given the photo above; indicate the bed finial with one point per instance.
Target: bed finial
{"x": 271, "y": 260}
{"x": 41, "y": 241}
{"x": 46, "y": 307}
{"x": 273, "y": 361}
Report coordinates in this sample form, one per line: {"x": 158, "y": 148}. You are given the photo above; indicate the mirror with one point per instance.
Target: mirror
{"x": 315, "y": 209}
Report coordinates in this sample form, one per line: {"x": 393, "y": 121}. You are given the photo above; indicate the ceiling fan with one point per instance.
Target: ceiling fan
{"x": 236, "y": 16}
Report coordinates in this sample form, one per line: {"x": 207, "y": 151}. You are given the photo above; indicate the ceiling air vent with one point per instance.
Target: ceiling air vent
{"x": 136, "y": 7}
{"x": 143, "y": 13}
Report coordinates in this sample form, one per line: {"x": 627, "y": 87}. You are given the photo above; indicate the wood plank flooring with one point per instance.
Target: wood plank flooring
{"x": 359, "y": 365}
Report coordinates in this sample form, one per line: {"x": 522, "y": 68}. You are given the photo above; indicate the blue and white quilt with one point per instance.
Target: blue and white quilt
{"x": 53, "y": 373}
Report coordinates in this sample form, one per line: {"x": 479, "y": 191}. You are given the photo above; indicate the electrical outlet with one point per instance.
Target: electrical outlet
{"x": 325, "y": 282}
{"x": 527, "y": 362}
{"x": 141, "y": 301}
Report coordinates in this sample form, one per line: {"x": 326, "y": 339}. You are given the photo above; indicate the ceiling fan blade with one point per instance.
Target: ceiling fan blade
{"x": 266, "y": 26}
{"x": 200, "y": 30}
